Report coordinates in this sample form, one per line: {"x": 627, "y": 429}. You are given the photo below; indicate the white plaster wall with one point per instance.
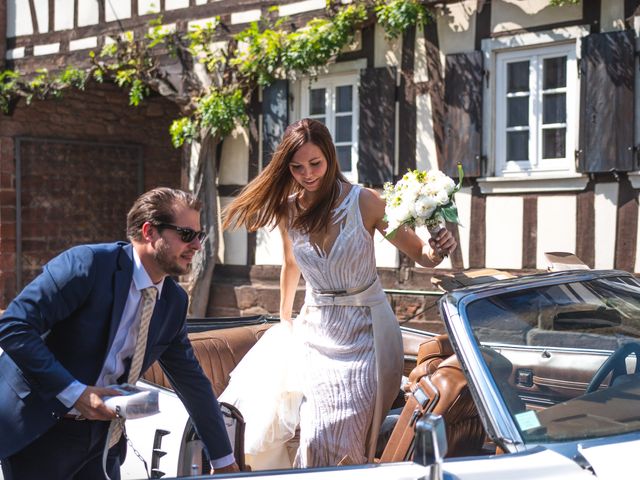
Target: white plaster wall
{"x": 234, "y": 168}
{"x": 18, "y": 18}
{"x": 463, "y": 202}
{"x": 556, "y": 226}
{"x": 234, "y": 242}
{"x": 457, "y": 27}
{"x": 420, "y": 72}
{"x": 300, "y": 7}
{"x": 268, "y": 247}
{"x": 88, "y": 13}
{"x": 504, "y": 232}
{"x": 175, "y": 4}
{"x": 514, "y": 14}
{"x": 388, "y": 51}
{"x": 605, "y": 205}
{"x": 42, "y": 14}
{"x": 148, "y": 6}
{"x": 386, "y": 253}
{"x": 117, "y": 10}
{"x": 426, "y": 155}
{"x": 63, "y": 16}
{"x": 612, "y": 15}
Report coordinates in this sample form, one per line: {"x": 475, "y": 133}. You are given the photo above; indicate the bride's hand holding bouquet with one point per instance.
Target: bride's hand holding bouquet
{"x": 422, "y": 199}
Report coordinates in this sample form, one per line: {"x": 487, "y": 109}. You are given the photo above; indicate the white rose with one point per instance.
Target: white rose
{"x": 425, "y": 205}
{"x": 442, "y": 197}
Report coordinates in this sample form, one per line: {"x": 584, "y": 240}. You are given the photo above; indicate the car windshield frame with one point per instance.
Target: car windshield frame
{"x": 516, "y": 433}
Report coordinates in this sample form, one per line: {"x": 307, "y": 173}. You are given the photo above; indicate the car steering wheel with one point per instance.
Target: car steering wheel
{"x": 616, "y": 364}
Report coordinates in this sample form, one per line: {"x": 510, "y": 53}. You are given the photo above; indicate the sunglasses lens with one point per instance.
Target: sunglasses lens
{"x": 187, "y": 235}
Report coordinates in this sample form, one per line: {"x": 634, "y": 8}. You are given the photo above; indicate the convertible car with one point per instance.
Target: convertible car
{"x": 537, "y": 377}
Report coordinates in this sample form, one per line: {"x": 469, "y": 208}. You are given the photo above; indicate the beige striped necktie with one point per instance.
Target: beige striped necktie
{"x": 148, "y": 303}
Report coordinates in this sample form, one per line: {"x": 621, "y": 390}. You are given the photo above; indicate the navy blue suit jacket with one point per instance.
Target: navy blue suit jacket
{"x": 61, "y": 327}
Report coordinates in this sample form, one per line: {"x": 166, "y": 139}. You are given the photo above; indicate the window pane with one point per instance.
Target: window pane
{"x": 343, "y": 129}
{"x": 555, "y": 72}
{"x": 344, "y": 158}
{"x": 518, "y": 77}
{"x": 517, "y": 111}
{"x": 517, "y": 146}
{"x": 554, "y": 108}
{"x": 344, "y": 98}
{"x": 553, "y": 143}
{"x": 317, "y": 103}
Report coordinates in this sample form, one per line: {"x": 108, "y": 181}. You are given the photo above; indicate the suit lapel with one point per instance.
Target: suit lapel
{"x": 122, "y": 283}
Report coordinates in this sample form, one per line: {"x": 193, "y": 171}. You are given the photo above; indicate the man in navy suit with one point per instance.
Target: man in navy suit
{"x": 72, "y": 332}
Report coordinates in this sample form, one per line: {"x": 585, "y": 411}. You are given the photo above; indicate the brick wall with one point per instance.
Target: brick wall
{"x": 80, "y": 160}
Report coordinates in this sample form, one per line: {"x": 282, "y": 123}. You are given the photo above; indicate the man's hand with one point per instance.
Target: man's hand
{"x": 233, "y": 468}
{"x": 91, "y": 406}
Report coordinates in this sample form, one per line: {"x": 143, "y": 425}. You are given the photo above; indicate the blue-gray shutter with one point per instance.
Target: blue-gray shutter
{"x": 607, "y": 81}
{"x": 463, "y": 114}
{"x": 275, "y": 117}
{"x": 376, "y": 137}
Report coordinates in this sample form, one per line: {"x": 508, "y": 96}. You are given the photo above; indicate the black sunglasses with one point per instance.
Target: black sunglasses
{"x": 186, "y": 234}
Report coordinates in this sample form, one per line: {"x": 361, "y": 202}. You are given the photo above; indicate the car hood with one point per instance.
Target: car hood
{"x": 613, "y": 461}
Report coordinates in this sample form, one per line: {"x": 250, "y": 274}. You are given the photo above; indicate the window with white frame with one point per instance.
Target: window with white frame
{"x": 334, "y": 101}
{"x": 536, "y": 110}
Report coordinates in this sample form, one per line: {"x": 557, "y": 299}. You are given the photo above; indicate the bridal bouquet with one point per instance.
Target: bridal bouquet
{"x": 420, "y": 199}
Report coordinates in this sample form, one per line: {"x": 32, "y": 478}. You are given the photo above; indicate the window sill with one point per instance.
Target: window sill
{"x": 549, "y": 183}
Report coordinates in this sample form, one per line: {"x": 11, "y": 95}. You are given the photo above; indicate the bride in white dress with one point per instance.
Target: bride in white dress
{"x": 334, "y": 370}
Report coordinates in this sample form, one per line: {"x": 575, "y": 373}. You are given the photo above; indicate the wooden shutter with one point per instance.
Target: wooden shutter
{"x": 607, "y": 78}
{"x": 275, "y": 117}
{"x": 376, "y": 140}
{"x": 463, "y": 114}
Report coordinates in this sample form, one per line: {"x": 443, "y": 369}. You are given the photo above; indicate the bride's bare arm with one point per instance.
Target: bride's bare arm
{"x": 405, "y": 239}
{"x": 289, "y": 276}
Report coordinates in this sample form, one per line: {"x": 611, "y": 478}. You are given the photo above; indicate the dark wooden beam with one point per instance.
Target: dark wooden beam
{"x": 630, "y": 10}
{"x": 477, "y": 245}
{"x": 435, "y": 73}
{"x": 75, "y": 14}
{"x": 101, "y": 18}
{"x": 627, "y": 225}
{"x": 3, "y": 34}
{"x": 529, "y": 231}
{"x": 483, "y": 23}
{"x": 585, "y": 225}
{"x": 52, "y": 15}
{"x": 34, "y": 17}
{"x": 407, "y": 105}
{"x": 591, "y": 14}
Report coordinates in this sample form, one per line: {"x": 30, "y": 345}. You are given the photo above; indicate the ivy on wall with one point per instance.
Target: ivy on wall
{"x": 220, "y": 73}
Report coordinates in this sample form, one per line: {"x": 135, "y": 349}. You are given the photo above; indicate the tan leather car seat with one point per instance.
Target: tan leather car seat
{"x": 465, "y": 433}
{"x": 218, "y": 352}
{"x": 430, "y": 354}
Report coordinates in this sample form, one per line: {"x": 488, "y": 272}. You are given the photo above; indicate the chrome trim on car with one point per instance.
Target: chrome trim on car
{"x": 493, "y": 410}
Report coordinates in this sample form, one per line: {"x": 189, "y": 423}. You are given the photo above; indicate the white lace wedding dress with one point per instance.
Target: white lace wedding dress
{"x": 336, "y": 373}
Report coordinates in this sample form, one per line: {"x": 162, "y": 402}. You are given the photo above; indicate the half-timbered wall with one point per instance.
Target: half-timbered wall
{"x": 448, "y": 87}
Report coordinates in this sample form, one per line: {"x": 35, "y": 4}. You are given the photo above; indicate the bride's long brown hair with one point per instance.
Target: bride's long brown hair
{"x": 263, "y": 202}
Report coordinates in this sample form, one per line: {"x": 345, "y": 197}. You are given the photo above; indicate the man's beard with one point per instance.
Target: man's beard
{"x": 162, "y": 255}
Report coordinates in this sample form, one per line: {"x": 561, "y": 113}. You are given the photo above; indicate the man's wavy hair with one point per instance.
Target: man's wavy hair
{"x": 158, "y": 206}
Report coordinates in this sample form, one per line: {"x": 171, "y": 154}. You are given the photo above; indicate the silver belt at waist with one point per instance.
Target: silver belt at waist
{"x": 341, "y": 293}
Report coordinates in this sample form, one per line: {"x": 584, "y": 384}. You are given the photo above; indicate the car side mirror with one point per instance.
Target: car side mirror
{"x": 431, "y": 443}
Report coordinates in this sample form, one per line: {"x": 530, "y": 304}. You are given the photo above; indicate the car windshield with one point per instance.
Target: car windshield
{"x": 564, "y": 356}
